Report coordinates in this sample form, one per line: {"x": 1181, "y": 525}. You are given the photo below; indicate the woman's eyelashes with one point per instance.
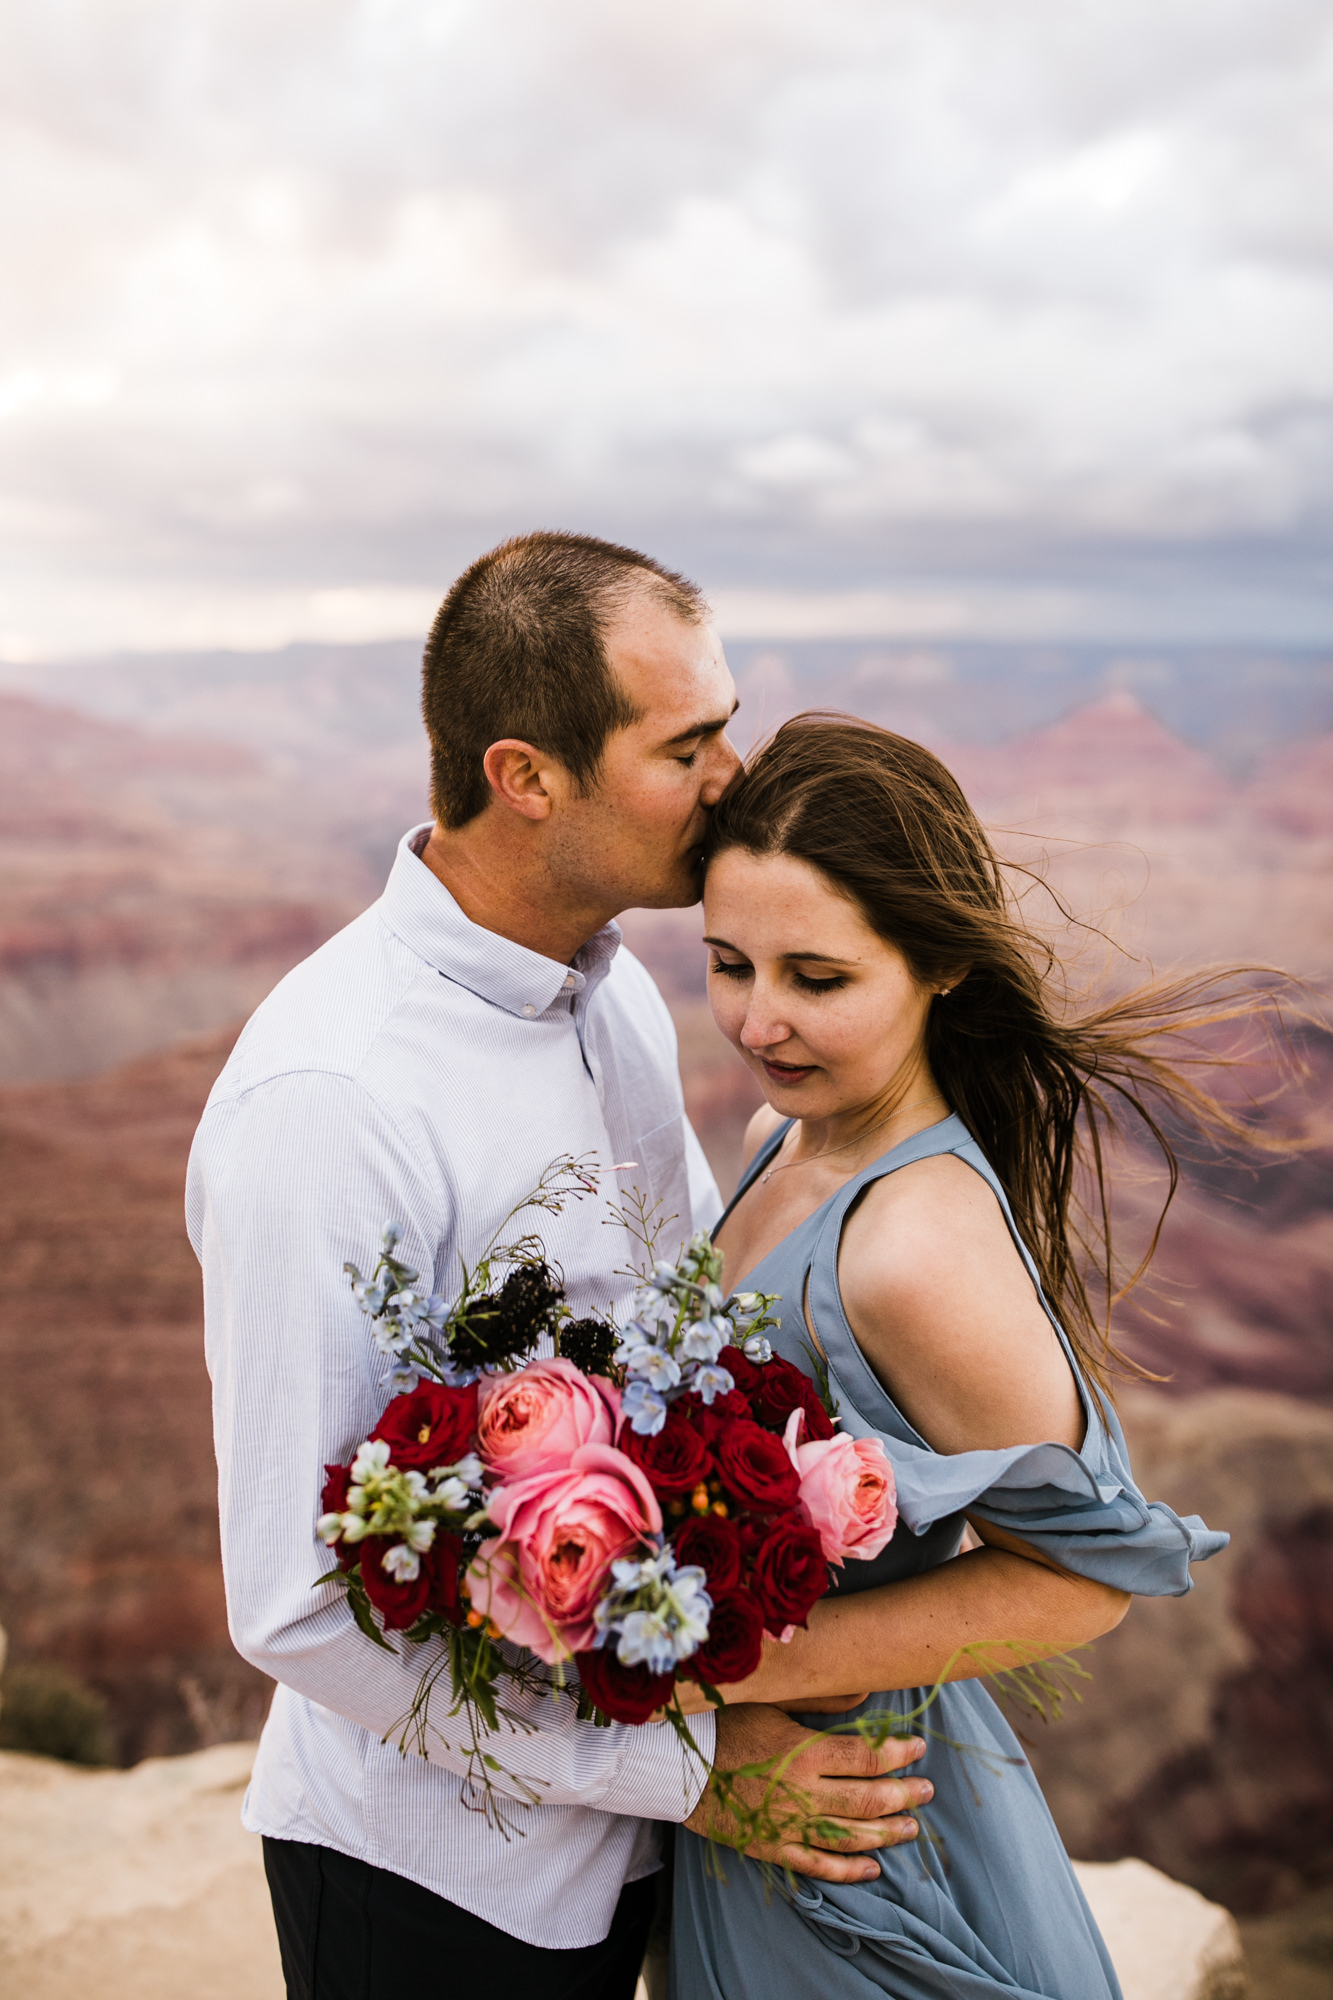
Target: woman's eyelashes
{"x": 806, "y": 984}
{"x": 729, "y": 968}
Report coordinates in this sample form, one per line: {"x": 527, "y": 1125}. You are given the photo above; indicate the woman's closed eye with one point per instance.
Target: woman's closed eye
{"x": 730, "y": 968}
{"x": 806, "y": 984}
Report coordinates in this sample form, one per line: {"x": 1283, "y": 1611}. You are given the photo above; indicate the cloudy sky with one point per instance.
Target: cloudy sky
{"x": 882, "y": 317}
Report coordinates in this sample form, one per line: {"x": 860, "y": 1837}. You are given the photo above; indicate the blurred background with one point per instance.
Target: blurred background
{"x": 977, "y": 360}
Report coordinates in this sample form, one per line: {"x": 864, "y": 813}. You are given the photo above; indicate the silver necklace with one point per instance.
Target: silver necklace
{"x": 900, "y": 1112}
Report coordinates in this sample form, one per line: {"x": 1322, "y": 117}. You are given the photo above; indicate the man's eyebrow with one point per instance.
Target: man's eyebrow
{"x": 702, "y": 728}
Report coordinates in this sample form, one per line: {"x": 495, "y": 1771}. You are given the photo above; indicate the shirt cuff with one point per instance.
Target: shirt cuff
{"x": 659, "y": 1777}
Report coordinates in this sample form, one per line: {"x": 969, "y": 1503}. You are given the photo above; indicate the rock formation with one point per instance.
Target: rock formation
{"x": 1204, "y": 1741}
{"x": 142, "y": 1885}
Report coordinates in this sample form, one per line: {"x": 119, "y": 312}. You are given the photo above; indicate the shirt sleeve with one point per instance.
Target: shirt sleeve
{"x": 287, "y": 1182}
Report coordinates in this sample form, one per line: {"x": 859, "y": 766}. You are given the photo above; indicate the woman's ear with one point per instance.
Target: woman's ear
{"x": 952, "y": 980}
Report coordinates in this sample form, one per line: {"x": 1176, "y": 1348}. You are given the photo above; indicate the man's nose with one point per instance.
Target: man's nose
{"x": 723, "y": 766}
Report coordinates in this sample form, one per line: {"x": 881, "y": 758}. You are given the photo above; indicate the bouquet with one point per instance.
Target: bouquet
{"x": 636, "y": 1505}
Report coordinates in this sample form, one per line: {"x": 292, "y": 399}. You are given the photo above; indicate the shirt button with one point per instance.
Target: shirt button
{"x": 528, "y": 1010}
{"x": 568, "y": 986}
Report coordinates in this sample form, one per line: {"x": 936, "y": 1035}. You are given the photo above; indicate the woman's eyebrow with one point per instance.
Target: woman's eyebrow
{"x": 823, "y": 957}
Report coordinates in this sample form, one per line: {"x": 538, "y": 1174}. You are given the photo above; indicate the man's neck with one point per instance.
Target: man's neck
{"x": 495, "y": 885}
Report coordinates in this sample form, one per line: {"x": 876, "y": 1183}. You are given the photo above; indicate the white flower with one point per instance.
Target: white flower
{"x": 329, "y": 1527}
{"x": 756, "y": 1348}
{"x": 372, "y": 1459}
{"x": 393, "y": 1235}
{"x": 420, "y": 1535}
{"x": 403, "y": 1563}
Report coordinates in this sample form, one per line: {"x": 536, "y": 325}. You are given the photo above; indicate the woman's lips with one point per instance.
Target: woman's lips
{"x": 786, "y": 1072}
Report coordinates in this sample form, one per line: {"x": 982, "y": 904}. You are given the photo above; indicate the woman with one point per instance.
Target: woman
{"x": 914, "y": 1201}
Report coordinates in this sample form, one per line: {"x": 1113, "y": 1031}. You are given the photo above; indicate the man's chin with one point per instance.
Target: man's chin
{"x": 685, "y": 888}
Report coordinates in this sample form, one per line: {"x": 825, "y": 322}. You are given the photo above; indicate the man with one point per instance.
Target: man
{"x": 424, "y": 1067}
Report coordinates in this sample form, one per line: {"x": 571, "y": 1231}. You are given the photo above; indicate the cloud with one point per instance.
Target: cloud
{"x": 928, "y": 301}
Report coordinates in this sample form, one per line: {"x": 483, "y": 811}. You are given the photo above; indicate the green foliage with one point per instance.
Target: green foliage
{"x": 48, "y": 1712}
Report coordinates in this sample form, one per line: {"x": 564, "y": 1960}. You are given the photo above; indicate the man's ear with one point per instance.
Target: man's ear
{"x": 521, "y": 778}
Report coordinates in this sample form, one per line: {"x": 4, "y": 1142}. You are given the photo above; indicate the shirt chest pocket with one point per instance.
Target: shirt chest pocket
{"x": 661, "y": 1177}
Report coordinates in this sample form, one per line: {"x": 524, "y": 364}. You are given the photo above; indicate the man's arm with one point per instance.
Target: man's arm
{"x": 287, "y": 1182}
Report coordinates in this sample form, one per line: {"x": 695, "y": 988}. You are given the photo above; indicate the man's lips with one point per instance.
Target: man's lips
{"x": 786, "y": 1072}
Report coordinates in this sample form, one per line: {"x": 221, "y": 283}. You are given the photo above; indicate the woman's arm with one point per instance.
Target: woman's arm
{"x": 1016, "y": 1608}
{"x": 945, "y": 1312}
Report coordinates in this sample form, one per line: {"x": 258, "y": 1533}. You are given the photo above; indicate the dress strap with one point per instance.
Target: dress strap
{"x": 827, "y": 1313}
{"x": 751, "y": 1173}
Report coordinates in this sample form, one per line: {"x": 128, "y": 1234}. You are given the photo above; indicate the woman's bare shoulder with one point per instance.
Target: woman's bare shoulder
{"x": 944, "y": 1308}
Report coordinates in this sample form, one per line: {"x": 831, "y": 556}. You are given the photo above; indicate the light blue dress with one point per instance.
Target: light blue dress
{"x": 989, "y": 1907}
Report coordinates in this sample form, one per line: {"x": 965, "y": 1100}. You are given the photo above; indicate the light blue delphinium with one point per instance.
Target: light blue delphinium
{"x": 656, "y": 1613}
{"x": 644, "y": 1409}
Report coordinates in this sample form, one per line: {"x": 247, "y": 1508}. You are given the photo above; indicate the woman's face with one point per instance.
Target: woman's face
{"x": 825, "y": 1013}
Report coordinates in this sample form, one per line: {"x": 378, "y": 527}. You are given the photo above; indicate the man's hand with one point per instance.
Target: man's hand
{"x": 826, "y": 1802}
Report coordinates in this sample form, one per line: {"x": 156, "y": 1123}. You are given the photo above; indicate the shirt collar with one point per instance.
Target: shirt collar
{"x": 418, "y": 908}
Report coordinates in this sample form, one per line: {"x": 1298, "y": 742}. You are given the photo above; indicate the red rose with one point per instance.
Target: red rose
{"x": 818, "y": 1423}
{"x": 429, "y": 1426}
{"x": 333, "y": 1500}
{"x": 743, "y": 1372}
{"x": 789, "y": 1575}
{"x": 443, "y": 1564}
{"x": 675, "y": 1460}
{"x": 754, "y": 1467}
{"x": 401, "y": 1604}
{"x": 781, "y": 1388}
{"x": 711, "y": 1419}
{"x": 626, "y": 1694}
{"x": 734, "y": 1644}
{"x": 715, "y": 1546}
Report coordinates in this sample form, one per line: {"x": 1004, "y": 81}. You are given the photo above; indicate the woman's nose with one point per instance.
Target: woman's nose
{"x": 763, "y": 1028}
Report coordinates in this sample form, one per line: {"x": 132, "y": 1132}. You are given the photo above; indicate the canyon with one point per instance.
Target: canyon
{"x": 159, "y": 874}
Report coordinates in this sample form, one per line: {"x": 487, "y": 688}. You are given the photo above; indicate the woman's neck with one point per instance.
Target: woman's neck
{"x": 864, "y": 1133}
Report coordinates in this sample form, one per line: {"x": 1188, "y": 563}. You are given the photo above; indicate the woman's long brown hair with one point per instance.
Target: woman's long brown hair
{"x": 1042, "y": 1085}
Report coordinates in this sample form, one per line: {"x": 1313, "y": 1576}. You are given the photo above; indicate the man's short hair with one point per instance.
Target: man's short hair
{"x": 518, "y": 649}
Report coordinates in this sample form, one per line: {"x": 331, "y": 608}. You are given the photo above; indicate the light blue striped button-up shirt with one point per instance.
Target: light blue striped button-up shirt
{"x": 422, "y": 1070}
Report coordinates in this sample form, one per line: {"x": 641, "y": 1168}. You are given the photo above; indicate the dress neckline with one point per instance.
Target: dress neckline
{"x": 774, "y": 1141}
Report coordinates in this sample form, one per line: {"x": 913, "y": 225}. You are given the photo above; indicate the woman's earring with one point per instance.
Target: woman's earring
{"x": 944, "y": 990}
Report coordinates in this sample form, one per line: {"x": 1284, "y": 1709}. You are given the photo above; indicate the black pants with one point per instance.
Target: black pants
{"x": 348, "y": 1931}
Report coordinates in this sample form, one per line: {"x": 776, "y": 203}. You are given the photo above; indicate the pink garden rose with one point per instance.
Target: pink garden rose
{"x": 533, "y": 1421}
{"x": 847, "y": 1490}
{"x": 540, "y": 1579}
